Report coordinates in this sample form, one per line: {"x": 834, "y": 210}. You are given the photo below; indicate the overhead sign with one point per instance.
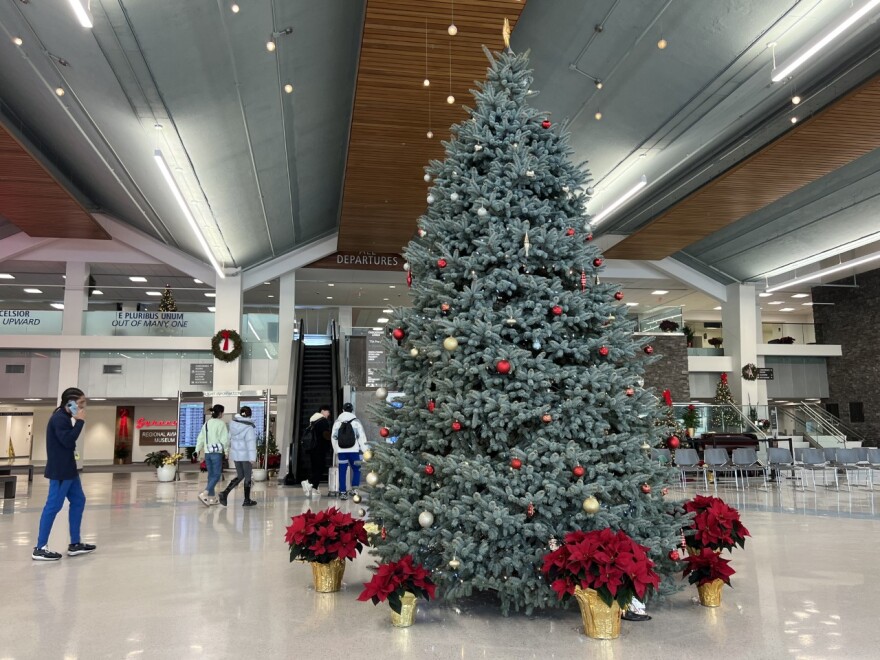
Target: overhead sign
{"x": 150, "y": 320}
{"x": 765, "y": 373}
{"x": 18, "y": 317}
{"x": 201, "y": 373}
{"x": 158, "y": 437}
{"x": 221, "y": 393}
{"x": 360, "y": 261}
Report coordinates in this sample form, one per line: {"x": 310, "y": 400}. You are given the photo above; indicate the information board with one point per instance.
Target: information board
{"x": 201, "y": 373}
{"x": 765, "y": 373}
{"x": 192, "y": 418}
{"x": 375, "y": 358}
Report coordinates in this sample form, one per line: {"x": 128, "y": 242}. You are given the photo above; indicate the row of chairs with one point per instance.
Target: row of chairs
{"x": 779, "y": 460}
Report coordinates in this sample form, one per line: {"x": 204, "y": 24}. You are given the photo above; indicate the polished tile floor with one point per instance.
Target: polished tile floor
{"x": 173, "y": 579}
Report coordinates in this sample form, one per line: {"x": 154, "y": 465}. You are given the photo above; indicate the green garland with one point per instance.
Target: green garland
{"x": 217, "y": 342}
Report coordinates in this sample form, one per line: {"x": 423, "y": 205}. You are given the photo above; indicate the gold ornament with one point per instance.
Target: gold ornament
{"x": 450, "y": 343}
{"x": 505, "y": 32}
{"x": 368, "y": 454}
{"x": 526, "y": 244}
{"x": 414, "y": 351}
{"x": 454, "y": 564}
{"x": 591, "y": 505}
{"x": 356, "y": 499}
{"x": 372, "y": 478}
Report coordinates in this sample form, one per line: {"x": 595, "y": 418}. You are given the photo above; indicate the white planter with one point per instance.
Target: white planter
{"x": 259, "y": 474}
{"x": 166, "y": 472}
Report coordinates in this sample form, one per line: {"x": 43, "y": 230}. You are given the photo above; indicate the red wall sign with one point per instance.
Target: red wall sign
{"x": 144, "y": 423}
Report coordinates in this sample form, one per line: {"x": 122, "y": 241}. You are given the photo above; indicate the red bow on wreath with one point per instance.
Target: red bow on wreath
{"x": 225, "y": 335}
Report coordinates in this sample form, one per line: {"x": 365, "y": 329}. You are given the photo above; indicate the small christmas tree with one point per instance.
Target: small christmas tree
{"x": 724, "y": 417}
{"x": 167, "y": 304}
{"x": 669, "y": 424}
{"x": 523, "y": 417}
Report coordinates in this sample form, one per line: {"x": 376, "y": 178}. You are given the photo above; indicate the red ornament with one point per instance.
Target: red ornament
{"x": 431, "y": 405}
{"x": 557, "y": 310}
{"x": 530, "y": 510}
{"x": 673, "y": 555}
{"x": 456, "y": 425}
{"x": 603, "y": 351}
{"x": 673, "y": 442}
{"x": 630, "y": 391}
{"x": 398, "y": 333}
{"x": 384, "y": 534}
{"x": 724, "y": 378}
{"x": 618, "y": 295}
{"x": 589, "y": 237}
{"x": 429, "y": 469}
{"x": 384, "y": 432}
{"x": 546, "y": 418}
{"x": 503, "y": 367}
{"x": 583, "y": 280}
{"x": 409, "y": 279}
{"x": 569, "y": 231}
{"x": 441, "y": 263}
{"x": 516, "y": 464}
{"x": 546, "y": 124}
{"x": 649, "y": 350}
{"x": 578, "y": 471}
{"x": 646, "y": 488}
{"x": 597, "y": 262}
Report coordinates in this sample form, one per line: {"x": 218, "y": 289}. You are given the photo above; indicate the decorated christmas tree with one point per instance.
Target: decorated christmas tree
{"x": 724, "y": 418}
{"x": 523, "y": 417}
{"x": 673, "y": 434}
{"x": 167, "y": 304}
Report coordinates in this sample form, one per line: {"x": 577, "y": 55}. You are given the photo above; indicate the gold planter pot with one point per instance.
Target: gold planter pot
{"x": 601, "y": 621}
{"x": 407, "y": 615}
{"x": 328, "y": 577}
{"x": 710, "y": 593}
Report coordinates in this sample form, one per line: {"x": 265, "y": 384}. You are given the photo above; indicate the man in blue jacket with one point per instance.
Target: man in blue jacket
{"x": 64, "y": 428}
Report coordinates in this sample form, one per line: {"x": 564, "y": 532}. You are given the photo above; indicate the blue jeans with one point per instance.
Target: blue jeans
{"x": 70, "y": 489}
{"x": 345, "y": 459}
{"x": 214, "y": 463}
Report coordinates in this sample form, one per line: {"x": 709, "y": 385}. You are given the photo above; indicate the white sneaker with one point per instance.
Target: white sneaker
{"x": 307, "y": 487}
{"x": 203, "y": 496}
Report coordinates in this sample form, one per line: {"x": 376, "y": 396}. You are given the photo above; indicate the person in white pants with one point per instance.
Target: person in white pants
{"x": 349, "y": 440}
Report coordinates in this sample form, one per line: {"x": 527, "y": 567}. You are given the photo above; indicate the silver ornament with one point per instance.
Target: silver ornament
{"x": 590, "y": 191}
{"x": 381, "y": 393}
{"x": 406, "y": 266}
{"x": 426, "y": 519}
{"x": 430, "y": 199}
{"x": 478, "y": 147}
{"x": 414, "y": 352}
{"x": 511, "y": 321}
{"x": 454, "y": 197}
{"x": 427, "y": 178}
{"x": 361, "y": 513}
{"x": 536, "y": 345}
{"x": 530, "y": 173}
{"x": 482, "y": 212}
{"x": 372, "y": 478}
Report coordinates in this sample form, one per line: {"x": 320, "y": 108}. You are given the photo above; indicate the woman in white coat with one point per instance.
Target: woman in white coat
{"x": 242, "y": 450}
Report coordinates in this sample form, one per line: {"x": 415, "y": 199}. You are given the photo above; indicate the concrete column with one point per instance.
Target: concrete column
{"x": 76, "y": 300}
{"x": 741, "y": 319}
{"x": 227, "y": 317}
{"x": 345, "y": 325}
{"x": 286, "y": 326}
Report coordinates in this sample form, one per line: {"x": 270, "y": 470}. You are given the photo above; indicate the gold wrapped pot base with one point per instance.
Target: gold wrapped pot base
{"x": 601, "y": 621}
{"x": 328, "y": 577}
{"x": 710, "y": 593}
{"x": 407, "y": 615}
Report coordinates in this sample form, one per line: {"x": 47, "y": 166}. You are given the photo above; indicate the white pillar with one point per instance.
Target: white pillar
{"x": 286, "y": 326}
{"x": 227, "y": 317}
{"x": 76, "y": 300}
{"x": 741, "y": 319}
{"x": 345, "y": 325}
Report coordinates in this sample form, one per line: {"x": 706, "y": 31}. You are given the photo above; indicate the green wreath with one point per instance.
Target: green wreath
{"x": 750, "y": 371}
{"x": 225, "y": 337}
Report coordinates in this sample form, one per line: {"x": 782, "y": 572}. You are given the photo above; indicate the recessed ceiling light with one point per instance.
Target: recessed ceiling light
{"x": 159, "y": 399}
{"x": 59, "y": 91}
{"x": 17, "y": 41}
{"x": 57, "y": 305}
{"x": 210, "y": 295}
{"x": 794, "y": 120}
{"x": 267, "y": 283}
{"x": 807, "y": 304}
{"x": 96, "y": 399}
{"x": 288, "y": 88}
{"x": 153, "y": 293}
{"x": 801, "y": 295}
{"x": 6, "y": 276}
{"x": 598, "y": 116}
{"x": 270, "y": 296}
{"x": 662, "y": 44}
{"x": 97, "y": 292}
{"x": 659, "y": 292}
{"x": 795, "y": 99}
{"x": 386, "y": 299}
{"x": 330, "y": 284}
{"x": 32, "y": 291}
{"x": 632, "y": 304}
{"x": 787, "y": 309}
{"x": 270, "y": 46}
{"x": 717, "y": 309}
{"x": 33, "y": 399}
{"x": 212, "y": 309}
{"x": 388, "y": 311}
{"x": 764, "y": 295}
{"x": 235, "y": 8}
{"x": 138, "y": 278}
{"x": 382, "y": 319}
{"x": 775, "y": 302}
{"x": 197, "y": 281}
{"x": 392, "y": 286}
{"x": 329, "y": 297}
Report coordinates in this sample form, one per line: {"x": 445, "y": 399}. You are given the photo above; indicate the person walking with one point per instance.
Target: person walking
{"x": 349, "y": 440}
{"x": 319, "y": 424}
{"x": 214, "y": 441}
{"x": 62, "y": 432}
{"x": 242, "y": 450}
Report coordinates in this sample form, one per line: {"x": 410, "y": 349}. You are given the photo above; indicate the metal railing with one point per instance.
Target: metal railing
{"x": 722, "y": 418}
{"x": 816, "y": 425}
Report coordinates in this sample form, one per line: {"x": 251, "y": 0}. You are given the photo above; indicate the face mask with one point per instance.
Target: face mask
{"x": 73, "y": 408}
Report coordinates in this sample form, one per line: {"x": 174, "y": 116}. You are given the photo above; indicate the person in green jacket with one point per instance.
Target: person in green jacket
{"x": 213, "y": 440}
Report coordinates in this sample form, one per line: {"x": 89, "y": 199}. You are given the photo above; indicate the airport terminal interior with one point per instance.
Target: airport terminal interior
{"x": 439, "y": 329}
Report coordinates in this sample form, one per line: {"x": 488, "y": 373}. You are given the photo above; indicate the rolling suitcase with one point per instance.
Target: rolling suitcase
{"x": 333, "y": 478}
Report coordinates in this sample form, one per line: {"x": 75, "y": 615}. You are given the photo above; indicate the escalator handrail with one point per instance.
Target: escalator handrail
{"x": 819, "y": 412}
{"x": 296, "y": 400}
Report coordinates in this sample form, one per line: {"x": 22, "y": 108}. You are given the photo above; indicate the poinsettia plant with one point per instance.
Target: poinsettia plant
{"x": 610, "y": 562}
{"x": 715, "y": 525}
{"x": 707, "y": 567}
{"x": 395, "y": 578}
{"x": 324, "y": 536}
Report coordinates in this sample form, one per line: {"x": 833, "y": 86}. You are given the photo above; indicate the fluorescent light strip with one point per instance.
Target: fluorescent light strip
{"x": 825, "y": 271}
{"x": 82, "y": 14}
{"x": 786, "y": 69}
{"x": 172, "y": 184}
{"x": 599, "y": 217}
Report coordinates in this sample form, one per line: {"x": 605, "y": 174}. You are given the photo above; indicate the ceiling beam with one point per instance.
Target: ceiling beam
{"x": 289, "y": 262}
{"x": 13, "y": 247}
{"x": 690, "y": 277}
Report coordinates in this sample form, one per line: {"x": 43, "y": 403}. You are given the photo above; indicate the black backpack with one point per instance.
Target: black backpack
{"x": 307, "y": 441}
{"x": 346, "y": 437}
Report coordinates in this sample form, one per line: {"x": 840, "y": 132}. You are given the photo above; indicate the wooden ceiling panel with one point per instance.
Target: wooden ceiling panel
{"x": 388, "y": 148}
{"x": 839, "y": 134}
{"x": 35, "y": 202}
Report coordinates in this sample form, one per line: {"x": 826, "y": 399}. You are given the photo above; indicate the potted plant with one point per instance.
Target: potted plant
{"x": 260, "y": 473}
{"x": 400, "y": 583}
{"x": 691, "y": 419}
{"x": 165, "y": 464}
{"x": 603, "y": 570}
{"x": 689, "y": 335}
{"x": 764, "y": 424}
{"x": 122, "y": 453}
{"x": 668, "y": 326}
{"x": 782, "y": 340}
{"x": 325, "y": 539}
{"x": 715, "y": 525}
{"x": 716, "y": 342}
{"x": 710, "y": 573}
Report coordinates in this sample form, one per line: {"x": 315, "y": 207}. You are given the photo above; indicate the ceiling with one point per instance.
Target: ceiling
{"x": 265, "y": 171}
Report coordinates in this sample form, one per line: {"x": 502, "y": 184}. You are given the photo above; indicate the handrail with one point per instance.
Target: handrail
{"x": 802, "y": 417}
{"x": 744, "y": 422}
{"x": 833, "y": 420}
{"x": 333, "y": 331}
{"x": 295, "y": 397}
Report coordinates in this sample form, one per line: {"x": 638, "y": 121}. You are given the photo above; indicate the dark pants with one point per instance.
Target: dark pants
{"x": 317, "y": 465}
{"x": 70, "y": 489}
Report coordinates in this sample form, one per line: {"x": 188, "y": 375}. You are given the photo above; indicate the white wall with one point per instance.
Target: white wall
{"x": 39, "y": 380}
{"x": 140, "y": 377}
